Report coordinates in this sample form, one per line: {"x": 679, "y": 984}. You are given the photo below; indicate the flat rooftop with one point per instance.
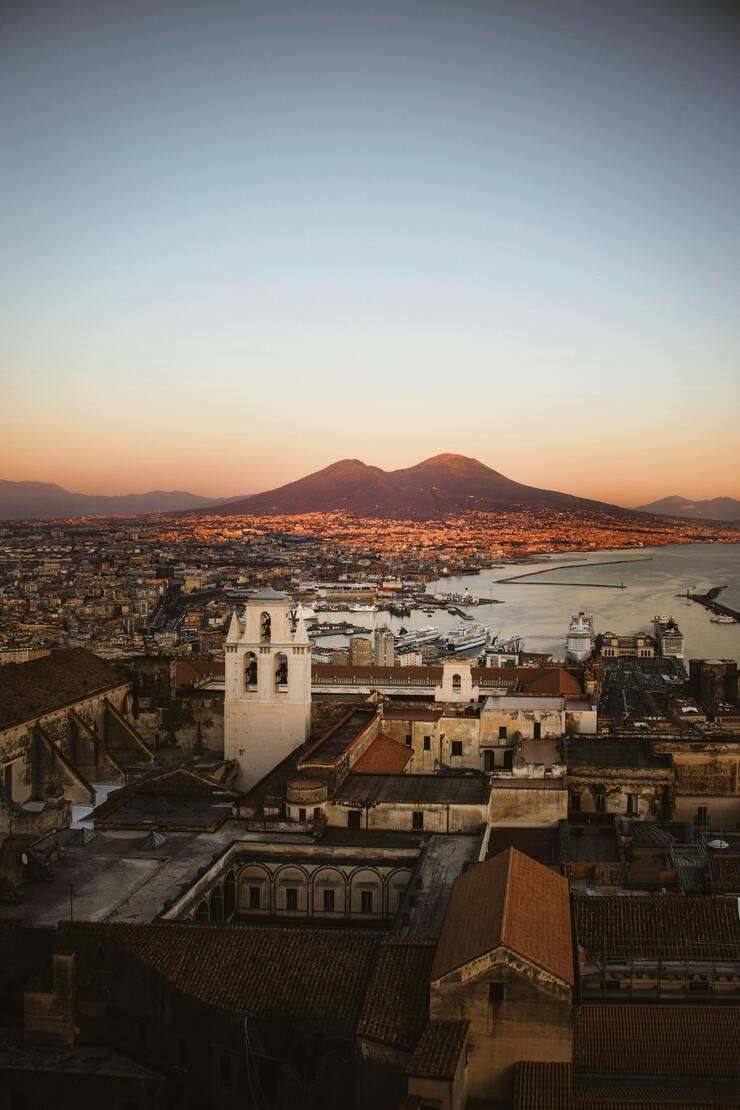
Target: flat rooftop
{"x": 372, "y": 790}
{"x": 120, "y": 875}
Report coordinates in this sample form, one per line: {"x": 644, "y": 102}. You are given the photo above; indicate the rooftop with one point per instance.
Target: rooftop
{"x": 438, "y": 1052}
{"x": 30, "y": 690}
{"x": 659, "y": 926}
{"x": 385, "y": 756}
{"x": 372, "y": 790}
{"x": 508, "y": 901}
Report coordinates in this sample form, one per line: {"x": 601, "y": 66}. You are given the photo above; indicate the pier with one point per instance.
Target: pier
{"x": 708, "y": 600}
{"x": 519, "y": 579}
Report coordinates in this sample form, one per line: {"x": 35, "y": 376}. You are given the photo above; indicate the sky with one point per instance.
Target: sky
{"x": 240, "y": 241}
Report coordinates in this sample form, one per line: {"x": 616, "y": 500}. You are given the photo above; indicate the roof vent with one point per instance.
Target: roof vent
{"x": 155, "y": 840}
{"x": 82, "y": 838}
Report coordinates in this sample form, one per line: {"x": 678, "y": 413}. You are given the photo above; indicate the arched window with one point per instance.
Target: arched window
{"x": 456, "y": 682}
{"x": 281, "y": 670}
{"x": 265, "y": 628}
{"x": 217, "y": 904}
{"x": 229, "y": 895}
{"x": 250, "y": 669}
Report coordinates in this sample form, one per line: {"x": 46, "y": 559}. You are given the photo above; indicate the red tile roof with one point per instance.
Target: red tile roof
{"x": 657, "y": 926}
{"x": 699, "y": 1041}
{"x": 395, "y": 1008}
{"x": 508, "y": 901}
{"x": 385, "y": 756}
{"x": 314, "y": 977}
{"x": 438, "y": 1052}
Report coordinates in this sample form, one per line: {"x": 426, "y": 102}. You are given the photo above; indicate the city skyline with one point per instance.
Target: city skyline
{"x": 243, "y": 243}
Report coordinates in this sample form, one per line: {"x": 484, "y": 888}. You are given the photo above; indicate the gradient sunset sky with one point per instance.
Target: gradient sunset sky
{"x": 241, "y": 241}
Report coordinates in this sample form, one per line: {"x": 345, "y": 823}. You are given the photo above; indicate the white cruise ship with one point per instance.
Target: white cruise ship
{"x": 580, "y": 642}
{"x": 410, "y": 641}
{"x": 466, "y": 637}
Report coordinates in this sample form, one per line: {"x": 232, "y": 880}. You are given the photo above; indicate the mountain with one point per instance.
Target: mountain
{"x": 716, "y": 508}
{"x": 44, "y": 501}
{"x": 438, "y": 487}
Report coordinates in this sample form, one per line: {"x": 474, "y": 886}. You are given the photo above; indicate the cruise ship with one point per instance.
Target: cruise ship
{"x": 580, "y": 642}
{"x": 363, "y": 609}
{"x": 467, "y": 637}
{"x": 410, "y": 641}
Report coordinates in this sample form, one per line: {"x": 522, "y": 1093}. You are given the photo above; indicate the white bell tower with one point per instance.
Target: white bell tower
{"x": 267, "y": 707}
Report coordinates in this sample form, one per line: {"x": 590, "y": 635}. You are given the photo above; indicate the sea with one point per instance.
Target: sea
{"x": 539, "y": 608}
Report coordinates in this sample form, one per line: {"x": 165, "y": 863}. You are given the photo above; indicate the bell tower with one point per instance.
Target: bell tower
{"x": 267, "y": 707}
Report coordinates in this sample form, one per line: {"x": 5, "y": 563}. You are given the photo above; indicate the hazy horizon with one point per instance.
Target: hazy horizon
{"x": 245, "y": 240}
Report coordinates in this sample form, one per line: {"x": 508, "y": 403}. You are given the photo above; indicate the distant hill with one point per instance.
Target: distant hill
{"x": 435, "y": 488}
{"x": 717, "y": 508}
{"x": 44, "y": 501}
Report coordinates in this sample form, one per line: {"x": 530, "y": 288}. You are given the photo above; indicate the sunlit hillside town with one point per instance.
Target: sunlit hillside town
{"x": 284, "y": 793}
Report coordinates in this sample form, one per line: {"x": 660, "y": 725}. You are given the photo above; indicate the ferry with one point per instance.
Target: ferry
{"x": 363, "y": 609}
{"x": 409, "y": 641}
{"x": 466, "y": 637}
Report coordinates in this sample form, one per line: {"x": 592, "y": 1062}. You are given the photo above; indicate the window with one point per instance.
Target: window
{"x": 502, "y": 732}
{"x": 417, "y": 819}
{"x": 537, "y": 730}
{"x": 488, "y": 761}
{"x": 281, "y": 670}
{"x": 456, "y": 747}
{"x": 427, "y": 743}
{"x": 633, "y": 804}
{"x": 329, "y": 901}
{"x": 301, "y": 815}
{"x": 495, "y": 993}
{"x": 8, "y": 781}
{"x": 291, "y": 898}
{"x": 366, "y": 901}
{"x": 250, "y": 669}
{"x": 408, "y": 739}
{"x": 601, "y": 802}
{"x": 575, "y": 801}
{"x": 353, "y": 818}
{"x": 317, "y": 813}
{"x": 265, "y": 628}
{"x": 456, "y": 682}
{"x": 702, "y": 815}
{"x": 255, "y": 898}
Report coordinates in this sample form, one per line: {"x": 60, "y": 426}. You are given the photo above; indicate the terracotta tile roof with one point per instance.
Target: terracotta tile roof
{"x": 551, "y": 680}
{"x": 665, "y": 926}
{"x": 438, "y": 1052}
{"x": 724, "y": 873}
{"x": 314, "y": 977}
{"x": 543, "y": 1085}
{"x": 512, "y": 901}
{"x": 188, "y": 671}
{"x": 385, "y": 756}
{"x": 658, "y": 1040}
{"x": 396, "y": 1003}
{"x": 549, "y": 1085}
{"x": 29, "y": 690}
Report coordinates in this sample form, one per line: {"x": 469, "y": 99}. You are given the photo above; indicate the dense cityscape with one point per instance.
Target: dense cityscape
{"x": 369, "y": 555}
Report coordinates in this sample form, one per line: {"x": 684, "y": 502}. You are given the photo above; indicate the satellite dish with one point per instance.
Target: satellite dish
{"x": 24, "y": 859}
{"x": 718, "y": 844}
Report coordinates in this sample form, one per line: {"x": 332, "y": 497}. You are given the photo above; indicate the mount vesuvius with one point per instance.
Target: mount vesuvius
{"x": 442, "y": 486}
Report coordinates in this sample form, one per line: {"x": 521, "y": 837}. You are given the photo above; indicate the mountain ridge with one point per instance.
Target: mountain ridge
{"x": 445, "y": 484}
{"x": 27, "y": 500}
{"x": 712, "y": 508}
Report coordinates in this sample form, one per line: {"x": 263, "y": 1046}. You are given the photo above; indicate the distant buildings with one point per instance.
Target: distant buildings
{"x": 383, "y": 651}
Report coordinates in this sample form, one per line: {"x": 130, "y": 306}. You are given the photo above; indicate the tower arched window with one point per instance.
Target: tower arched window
{"x": 281, "y": 670}
{"x": 250, "y": 669}
{"x": 456, "y": 682}
{"x": 265, "y": 628}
